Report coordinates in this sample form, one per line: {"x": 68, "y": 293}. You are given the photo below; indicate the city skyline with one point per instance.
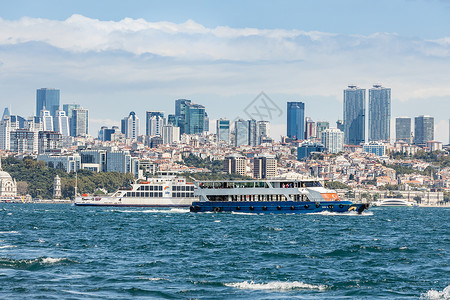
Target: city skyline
{"x": 309, "y": 60}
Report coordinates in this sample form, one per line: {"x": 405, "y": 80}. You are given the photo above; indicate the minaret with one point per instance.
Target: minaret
{"x": 57, "y": 188}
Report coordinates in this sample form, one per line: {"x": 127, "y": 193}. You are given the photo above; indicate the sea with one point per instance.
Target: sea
{"x": 61, "y": 251}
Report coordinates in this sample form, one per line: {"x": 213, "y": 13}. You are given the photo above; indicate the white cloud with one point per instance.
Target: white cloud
{"x": 141, "y": 65}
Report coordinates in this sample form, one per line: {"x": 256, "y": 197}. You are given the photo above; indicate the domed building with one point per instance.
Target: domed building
{"x": 8, "y": 186}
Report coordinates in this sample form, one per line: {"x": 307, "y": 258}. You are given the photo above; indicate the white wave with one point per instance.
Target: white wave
{"x": 243, "y": 213}
{"x": 164, "y": 211}
{"x": 349, "y": 213}
{"x": 9, "y": 214}
{"x": 41, "y": 241}
{"x": 51, "y": 260}
{"x": 8, "y": 246}
{"x": 1, "y": 232}
{"x": 217, "y": 221}
{"x": 153, "y": 278}
{"x": 275, "y": 285}
{"x": 437, "y": 295}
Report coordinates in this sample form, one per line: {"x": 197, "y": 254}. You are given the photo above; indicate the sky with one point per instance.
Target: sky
{"x": 114, "y": 57}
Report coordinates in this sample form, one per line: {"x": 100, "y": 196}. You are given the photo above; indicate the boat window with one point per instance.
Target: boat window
{"x": 312, "y": 184}
{"x": 160, "y": 194}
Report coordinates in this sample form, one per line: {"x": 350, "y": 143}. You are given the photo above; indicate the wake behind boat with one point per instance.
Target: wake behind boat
{"x": 166, "y": 190}
{"x": 287, "y": 195}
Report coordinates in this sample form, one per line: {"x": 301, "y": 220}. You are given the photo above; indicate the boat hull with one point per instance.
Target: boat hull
{"x": 277, "y": 207}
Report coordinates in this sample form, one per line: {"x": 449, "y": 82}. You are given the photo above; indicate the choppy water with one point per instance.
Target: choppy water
{"x": 66, "y": 252}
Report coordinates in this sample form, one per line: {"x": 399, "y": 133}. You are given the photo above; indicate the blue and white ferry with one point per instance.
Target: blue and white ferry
{"x": 290, "y": 194}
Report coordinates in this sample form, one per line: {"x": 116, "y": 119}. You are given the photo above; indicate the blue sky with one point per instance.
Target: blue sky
{"x": 117, "y": 56}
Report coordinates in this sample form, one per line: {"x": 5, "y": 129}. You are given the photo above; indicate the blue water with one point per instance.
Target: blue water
{"x": 66, "y": 252}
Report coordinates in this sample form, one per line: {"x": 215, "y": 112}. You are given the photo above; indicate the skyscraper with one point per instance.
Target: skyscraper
{"x": 47, "y": 120}
{"x": 154, "y": 121}
{"x": 252, "y": 133}
{"x": 354, "y": 115}
{"x": 61, "y": 123}
{"x": 403, "y": 129}
{"x": 223, "y": 130}
{"x": 310, "y": 128}
{"x": 48, "y": 99}
{"x": 194, "y": 118}
{"x": 423, "y": 129}
{"x": 68, "y": 108}
{"x": 241, "y": 135}
{"x": 130, "y": 126}
{"x": 296, "y": 120}
{"x": 180, "y": 113}
{"x": 79, "y": 122}
{"x": 379, "y": 113}
{"x": 263, "y": 128}
{"x": 170, "y": 134}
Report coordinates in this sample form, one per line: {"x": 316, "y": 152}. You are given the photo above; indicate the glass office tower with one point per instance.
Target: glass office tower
{"x": 379, "y": 113}
{"x": 48, "y": 99}
{"x": 354, "y": 115}
{"x": 296, "y": 120}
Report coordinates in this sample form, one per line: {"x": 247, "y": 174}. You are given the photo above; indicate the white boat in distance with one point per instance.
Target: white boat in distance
{"x": 166, "y": 190}
{"x": 394, "y": 202}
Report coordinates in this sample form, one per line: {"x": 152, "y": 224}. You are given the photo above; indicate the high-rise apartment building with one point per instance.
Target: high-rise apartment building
{"x": 154, "y": 122}
{"x": 223, "y": 130}
{"x": 79, "y": 122}
{"x": 47, "y": 99}
{"x": 354, "y": 115}
{"x": 403, "y": 129}
{"x": 264, "y": 166}
{"x": 320, "y": 127}
{"x": 310, "y": 129}
{"x": 235, "y": 163}
{"x": 24, "y": 141}
{"x": 130, "y": 126}
{"x": 170, "y": 134}
{"x": 423, "y": 129}
{"x": 333, "y": 140}
{"x": 263, "y": 129}
{"x": 296, "y": 120}
{"x": 379, "y": 113}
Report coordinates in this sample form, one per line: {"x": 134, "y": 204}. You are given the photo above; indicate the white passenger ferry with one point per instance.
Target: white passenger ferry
{"x": 394, "y": 202}
{"x": 166, "y": 190}
{"x": 291, "y": 193}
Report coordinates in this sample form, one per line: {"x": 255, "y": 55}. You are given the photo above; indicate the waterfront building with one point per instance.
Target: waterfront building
{"x": 320, "y": 127}
{"x": 377, "y": 148}
{"x": 79, "y": 122}
{"x": 403, "y": 129}
{"x": 308, "y": 148}
{"x": 310, "y": 129}
{"x": 130, "y": 126}
{"x": 379, "y": 113}
{"x": 354, "y": 115}
{"x": 154, "y": 121}
{"x": 49, "y": 141}
{"x": 423, "y": 129}
{"x": 47, "y": 120}
{"x": 241, "y": 132}
{"x": 333, "y": 140}
{"x": 264, "y": 166}
{"x": 47, "y": 99}
{"x": 8, "y": 186}
{"x": 24, "y": 141}
{"x": 263, "y": 131}
{"x": 296, "y": 120}
{"x": 66, "y": 162}
{"x": 171, "y": 134}
{"x": 235, "y": 163}
{"x": 223, "y": 130}
{"x": 61, "y": 123}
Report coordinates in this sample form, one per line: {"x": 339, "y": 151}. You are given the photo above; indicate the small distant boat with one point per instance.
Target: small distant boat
{"x": 394, "y": 202}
